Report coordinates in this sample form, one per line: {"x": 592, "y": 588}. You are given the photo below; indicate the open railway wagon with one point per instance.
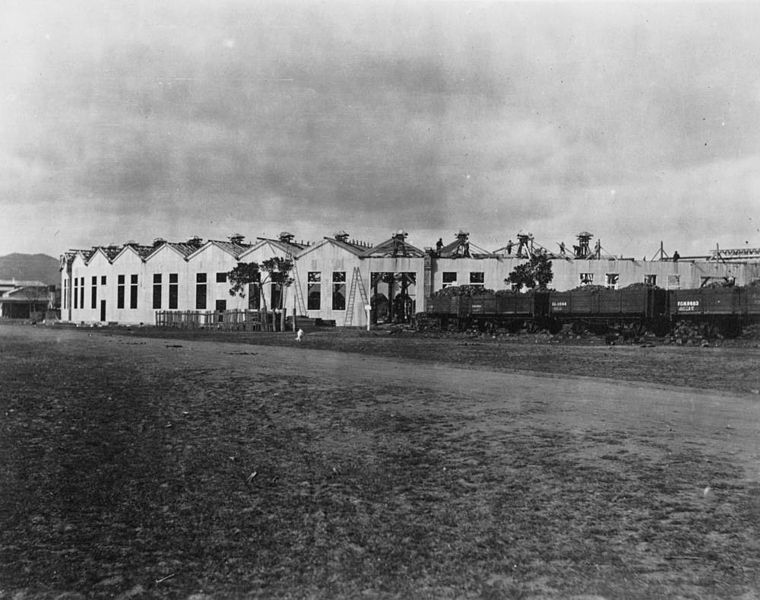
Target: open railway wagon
{"x": 512, "y": 311}
{"x": 712, "y": 311}
{"x": 635, "y": 309}
{"x": 751, "y": 303}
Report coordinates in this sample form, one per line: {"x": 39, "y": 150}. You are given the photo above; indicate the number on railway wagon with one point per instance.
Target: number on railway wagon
{"x": 687, "y": 305}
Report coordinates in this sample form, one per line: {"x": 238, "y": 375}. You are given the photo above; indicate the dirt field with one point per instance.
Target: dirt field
{"x": 723, "y": 365}
{"x": 138, "y": 466}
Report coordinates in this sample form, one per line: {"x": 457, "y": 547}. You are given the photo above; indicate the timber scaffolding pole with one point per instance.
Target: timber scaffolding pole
{"x": 663, "y": 256}
{"x": 660, "y": 254}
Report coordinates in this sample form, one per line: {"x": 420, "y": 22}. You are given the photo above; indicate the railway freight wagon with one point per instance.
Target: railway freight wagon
{"x": 636, "y": 308}
{"x": 716, "y": 310}
{"x": 442, "y": 311}
{"x": 513, "y": 311}
{"x": 751, "y": 304}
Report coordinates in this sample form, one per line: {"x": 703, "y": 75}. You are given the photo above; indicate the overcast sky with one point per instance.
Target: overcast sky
{"x": 136, "y": 120}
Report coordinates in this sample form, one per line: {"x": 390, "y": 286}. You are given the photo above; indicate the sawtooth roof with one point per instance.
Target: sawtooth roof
{"x": 393, "y": 247}
{"x": 183, "y": 248}
{"x": 355, "y": 249}
{"x": 287, "y": 247}
{"x": 231, "y": 248}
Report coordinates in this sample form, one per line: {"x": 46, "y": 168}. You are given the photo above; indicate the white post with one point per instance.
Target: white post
{"x": 368, "y": 311}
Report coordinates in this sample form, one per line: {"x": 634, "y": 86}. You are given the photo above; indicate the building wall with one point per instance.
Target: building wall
{"x": 98, "y": 266}
{"x": 265, "y": 250}
{"x": 327, "y": 258}
{"x": 746, "y": 273}
{"x": 667, "y": 274}
{"x": 571, "y": 273}
{"x": 166, "y": 262}
{"x": 124, "y": 268}
{"x": 65, "y": 289}
{"x": 211, "y": 260}
{"x": 79, "y": 272}
{"x": 493, "y": 270}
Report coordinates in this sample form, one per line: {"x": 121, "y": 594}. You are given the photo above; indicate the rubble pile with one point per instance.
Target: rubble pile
{"x": 463, "y": 290}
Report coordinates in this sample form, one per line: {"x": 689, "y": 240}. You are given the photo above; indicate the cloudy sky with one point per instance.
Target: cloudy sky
{"x": 137, "y": 120}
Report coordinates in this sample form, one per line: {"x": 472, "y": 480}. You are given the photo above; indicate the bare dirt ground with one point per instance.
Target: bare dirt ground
{"x": 724, "y": 365}
{"x": 162, "y": 467}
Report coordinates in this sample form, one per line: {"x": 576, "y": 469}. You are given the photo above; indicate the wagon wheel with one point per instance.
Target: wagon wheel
{"x": 638, "y": 329}
{"x": 731, "y": 328}
{"x": 532, "y": 327}
{"x": 661, "y": 327}
{"x": 709, "y": 330}
{"x": 554, "y": 326}
{"x": 578, "y": 327}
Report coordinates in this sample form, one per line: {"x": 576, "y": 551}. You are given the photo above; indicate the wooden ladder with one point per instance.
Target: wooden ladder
{"x": 356, "y": 281}
{"x": 300, "y": 304}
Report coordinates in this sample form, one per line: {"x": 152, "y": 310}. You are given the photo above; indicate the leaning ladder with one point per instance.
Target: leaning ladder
{"x": 356, "y": 281}
{"x": 300, "y": 305}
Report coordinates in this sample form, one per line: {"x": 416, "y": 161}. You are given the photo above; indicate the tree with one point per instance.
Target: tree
{"x": 277, "y": 271}
{"x": 278, "y": 274}
{"x": 542, "y": 269}
{"x": 242, "y": 276}
{"x": 536, "y": 273}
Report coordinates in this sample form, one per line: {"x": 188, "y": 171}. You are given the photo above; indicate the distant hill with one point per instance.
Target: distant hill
{"x": 30, "y": 267}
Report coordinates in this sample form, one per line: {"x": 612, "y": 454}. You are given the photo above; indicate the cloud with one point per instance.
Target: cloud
{"x": 429, "y": 116}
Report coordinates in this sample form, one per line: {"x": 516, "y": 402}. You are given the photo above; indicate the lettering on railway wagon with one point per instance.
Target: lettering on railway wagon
{"x": 687, "y": 305}
{"x": 559, "y": 304}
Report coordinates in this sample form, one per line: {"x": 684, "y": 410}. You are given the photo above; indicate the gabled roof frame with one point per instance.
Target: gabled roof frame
{"x": 447, "y": 251}
{"x": 410, "y": 251}
{"x": 100, "y": 250}
{"x": 171, "y": 247}
{"x": 133, "y": 249}
{"x": 82, "y": 254}
{"x": 357, "y": 251}
{"x": 218, "y": 244}
{"x": 289, "y": 250}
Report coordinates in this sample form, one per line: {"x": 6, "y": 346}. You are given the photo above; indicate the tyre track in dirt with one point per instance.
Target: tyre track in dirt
{"x": 719, "y": 423}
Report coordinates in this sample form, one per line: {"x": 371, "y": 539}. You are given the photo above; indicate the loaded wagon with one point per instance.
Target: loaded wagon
{"x": 714, "y": 309}
{"x": 485, "y": 311}
{"x": 512, "y": 310}
{"x": 637, "y": 308}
